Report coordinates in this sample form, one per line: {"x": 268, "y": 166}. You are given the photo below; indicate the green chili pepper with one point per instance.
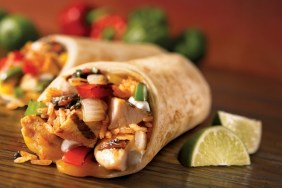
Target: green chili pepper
{"x": 11, "y": 72}
{"x": 32, "y": 108}
{"x": 140, "y": 92}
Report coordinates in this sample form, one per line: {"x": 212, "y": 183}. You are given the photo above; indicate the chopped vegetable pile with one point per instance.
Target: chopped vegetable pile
{"x": 26, "y": 73}
{"x": 105, "y": 117}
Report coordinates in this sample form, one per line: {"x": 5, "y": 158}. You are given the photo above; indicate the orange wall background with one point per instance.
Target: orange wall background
{"x": 243, "y": 35}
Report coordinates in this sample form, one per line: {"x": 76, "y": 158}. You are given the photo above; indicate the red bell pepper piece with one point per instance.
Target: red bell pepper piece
{"x": 93, "y": 91}
{"x": 3, "y": 62}
{"x": 72, "y": 19}
{"x": 76, "y": 156}
{"x": 17, "y": 55}
{"x": 86, "y": 70}
{"x": 115, "y": 23}
{"x": 29, "y": 67}
{"x": 13, "y": 58}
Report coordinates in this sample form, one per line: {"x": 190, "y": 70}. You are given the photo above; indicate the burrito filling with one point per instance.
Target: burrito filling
{"x": 26, "y": 73}
{"x": 100, "y": 123}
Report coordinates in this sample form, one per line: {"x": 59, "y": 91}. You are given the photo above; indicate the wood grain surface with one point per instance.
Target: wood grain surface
{"x": 236, "y": 93}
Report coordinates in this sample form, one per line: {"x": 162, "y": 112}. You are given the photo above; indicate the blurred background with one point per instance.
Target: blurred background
{"x": 243, "y": 36}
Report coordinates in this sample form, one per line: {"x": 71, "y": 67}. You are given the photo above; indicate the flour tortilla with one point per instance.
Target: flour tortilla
{"x": 179, "y": 96}
{"x": 81, "y": 50}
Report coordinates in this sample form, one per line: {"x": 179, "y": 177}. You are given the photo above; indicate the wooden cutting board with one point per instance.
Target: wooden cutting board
{"x": 240, "y": 94}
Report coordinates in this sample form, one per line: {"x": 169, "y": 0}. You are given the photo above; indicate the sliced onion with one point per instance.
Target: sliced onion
{"x": 37, "y": 45}
{"x": 46, "y": 76}
{"x": 28, "y": 82}
{"x": 68, "y": 144}
{"x": 98, "y": 79}
{"x": 140, "y": 140}
{"x": 93, "y": 110}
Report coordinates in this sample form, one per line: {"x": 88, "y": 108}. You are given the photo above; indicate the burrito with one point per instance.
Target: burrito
{"x": 109, "y": 119}
{"x": 26, "y": 73}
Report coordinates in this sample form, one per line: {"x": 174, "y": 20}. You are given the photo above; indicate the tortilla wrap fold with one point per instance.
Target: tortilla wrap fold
{"x": 179, "y": 96}
{"x": 81, "y": 50}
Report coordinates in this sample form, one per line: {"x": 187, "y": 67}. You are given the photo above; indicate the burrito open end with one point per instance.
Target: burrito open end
{"x": 26, "y": 73}
{"x": 109, "y": 119}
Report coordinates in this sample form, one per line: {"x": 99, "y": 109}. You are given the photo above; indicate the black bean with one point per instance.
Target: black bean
{"x": 17, "y": 155}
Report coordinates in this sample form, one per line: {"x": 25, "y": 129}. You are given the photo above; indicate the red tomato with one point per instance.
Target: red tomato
{"x": 93, "y": 91}
{"x": 115, "y": 22}
{"x": 76, "y": 156}
{"x": 72, "y": 19}
{"x": 28, "y": 67}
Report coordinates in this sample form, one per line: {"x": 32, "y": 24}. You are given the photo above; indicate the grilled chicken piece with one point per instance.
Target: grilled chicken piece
{"x": 73, "y": 128}
{"x": 113, "y": 153}
{"x": 112, "y": 159}
{"x": 122, "y": 113}
{"x": 39, "y": 140}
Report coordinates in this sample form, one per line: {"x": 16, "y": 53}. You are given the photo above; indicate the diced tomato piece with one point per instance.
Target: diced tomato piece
{"x": 2, "y": 62}
{"x": 13, "y": 58}
{"x": 29, "y": 67}
{"x": 94, "y": 91}
{"x": 17, "y": 55}
{"x": 76, "y": 156}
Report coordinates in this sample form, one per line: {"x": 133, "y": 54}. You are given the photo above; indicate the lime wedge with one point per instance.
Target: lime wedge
{"x": 214, "y": 146}
{"x": 248, "y": 130}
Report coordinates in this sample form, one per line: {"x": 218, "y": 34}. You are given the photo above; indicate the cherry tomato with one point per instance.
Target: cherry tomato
{"x": 72, "y": 19}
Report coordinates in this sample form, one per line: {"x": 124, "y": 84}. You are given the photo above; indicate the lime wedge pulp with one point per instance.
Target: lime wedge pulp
{"x": 248, "y": 130}
{"x": 214, "y": 146}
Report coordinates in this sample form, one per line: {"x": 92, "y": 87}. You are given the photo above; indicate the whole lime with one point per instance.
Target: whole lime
{"x": 3, "y": 13}
{"x": 192, "y": 44}
{"x": 15, "y": 31}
